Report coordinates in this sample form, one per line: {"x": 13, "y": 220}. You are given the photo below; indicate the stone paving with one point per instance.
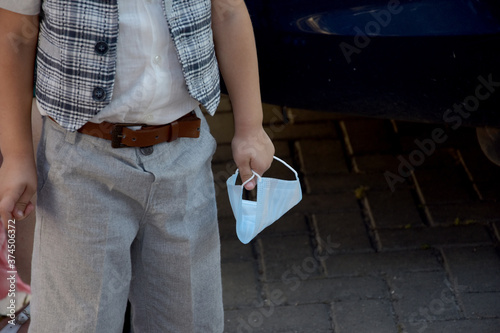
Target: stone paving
{"x": 397, "y": 231}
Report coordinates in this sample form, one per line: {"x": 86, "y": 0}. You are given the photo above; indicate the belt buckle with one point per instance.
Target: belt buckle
{"x": 117, "y": 134}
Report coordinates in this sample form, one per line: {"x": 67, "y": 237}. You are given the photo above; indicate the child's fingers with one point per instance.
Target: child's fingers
{"x": 22, "y": 210}
{"x": 6, "y": 206}
{"x": 29, "y": 209}
{"x": 245, "y": 174}
{"x": 250, "y": 185}
{"x": 23, "y": 206}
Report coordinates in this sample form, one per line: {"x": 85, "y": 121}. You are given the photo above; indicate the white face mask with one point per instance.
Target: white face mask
{"x": 274, "y": 198}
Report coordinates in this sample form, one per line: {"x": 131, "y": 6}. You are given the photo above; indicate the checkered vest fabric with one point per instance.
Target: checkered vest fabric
{"x": 77, "y": 52}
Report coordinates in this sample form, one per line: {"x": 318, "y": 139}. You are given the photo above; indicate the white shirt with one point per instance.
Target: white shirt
{"x": 149, "y": 84}
{"x": 26, "y": 7}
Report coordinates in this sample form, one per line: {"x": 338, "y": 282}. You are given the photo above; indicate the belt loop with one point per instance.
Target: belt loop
{"x": 174, "y": 134}
{"x": 70, "y": 137}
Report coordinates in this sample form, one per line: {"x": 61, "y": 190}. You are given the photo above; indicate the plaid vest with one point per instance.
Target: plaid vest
{"x": 76, "y": 61}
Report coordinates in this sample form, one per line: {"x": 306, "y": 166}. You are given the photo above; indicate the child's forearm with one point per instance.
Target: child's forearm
{"x": 18, "y": 38}
{"x": 235, "y": 47}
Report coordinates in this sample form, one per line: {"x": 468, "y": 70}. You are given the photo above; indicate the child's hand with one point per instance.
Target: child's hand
{"x": 252, "y": 150}
{"x": 17, "y": 187}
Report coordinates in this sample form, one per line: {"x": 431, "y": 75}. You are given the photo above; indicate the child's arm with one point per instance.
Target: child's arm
{"x": 235, "y": 48}
{"x": 18, "y": 38}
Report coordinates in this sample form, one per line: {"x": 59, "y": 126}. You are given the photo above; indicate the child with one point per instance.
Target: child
{"x": 120, "y": 216}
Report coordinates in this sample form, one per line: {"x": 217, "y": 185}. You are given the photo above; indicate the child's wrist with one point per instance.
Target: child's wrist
{"x": 18, "y": 154}
{"x": 248, "y": 129}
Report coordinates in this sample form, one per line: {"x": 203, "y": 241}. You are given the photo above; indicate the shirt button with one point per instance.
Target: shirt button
{"x": 156, "y": 60}
{"x": 99, "y": 94}
{"x": 101, "y": 48}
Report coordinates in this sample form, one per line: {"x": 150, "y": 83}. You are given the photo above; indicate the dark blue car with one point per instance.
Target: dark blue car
{"x": 418, "y": 60}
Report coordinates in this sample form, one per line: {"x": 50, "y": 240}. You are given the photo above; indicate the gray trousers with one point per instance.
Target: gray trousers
{"x": 118, "y": 224}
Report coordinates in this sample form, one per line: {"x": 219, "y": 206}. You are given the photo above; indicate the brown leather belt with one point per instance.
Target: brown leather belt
{"x": 121, "y": 136}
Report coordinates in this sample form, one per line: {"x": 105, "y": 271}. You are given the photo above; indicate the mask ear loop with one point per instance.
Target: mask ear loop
{"x": 249, "y": 179}
{"x": 258, "y": 176}
{"x": 289, "y": 167}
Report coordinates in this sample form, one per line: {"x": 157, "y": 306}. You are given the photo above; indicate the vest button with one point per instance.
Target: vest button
{"x": 101, "y": 48}
{"x": 99, "y": 94}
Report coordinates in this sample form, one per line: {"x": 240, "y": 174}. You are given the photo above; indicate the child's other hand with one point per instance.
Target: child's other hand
{"x": 252, "y": 150}
{"x": 17, "y": 187}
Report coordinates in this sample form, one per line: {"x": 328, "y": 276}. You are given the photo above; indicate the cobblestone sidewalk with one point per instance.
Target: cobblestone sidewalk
{"x": 374, "y": 246}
